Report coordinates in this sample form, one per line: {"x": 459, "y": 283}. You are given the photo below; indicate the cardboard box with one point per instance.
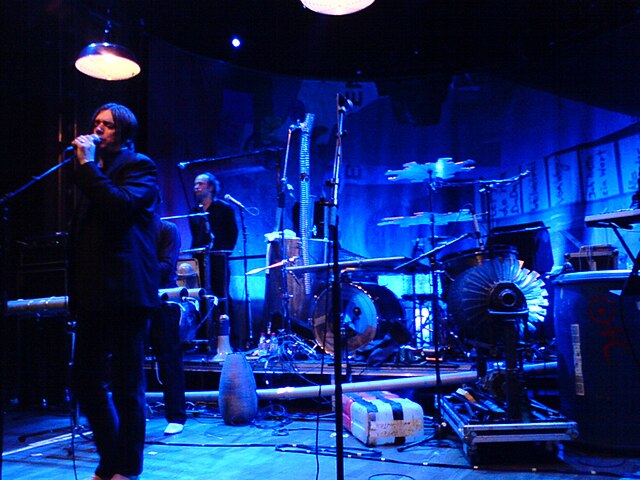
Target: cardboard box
{"x": 382, "y": 418}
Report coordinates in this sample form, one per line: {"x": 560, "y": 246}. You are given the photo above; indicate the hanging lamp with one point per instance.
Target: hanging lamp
{"x": 336, "y": 7}
{"x": 106, "y": 60}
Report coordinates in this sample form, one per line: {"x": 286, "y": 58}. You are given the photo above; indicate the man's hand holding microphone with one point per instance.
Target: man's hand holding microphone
{"x": 85, "y": 148}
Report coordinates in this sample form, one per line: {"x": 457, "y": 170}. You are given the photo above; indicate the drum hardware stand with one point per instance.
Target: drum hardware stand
{"x": 418, "y": 303}
{"x": 287, "y": 335}
{"x": 436, "y": 316}
{"x": 478, "y": 417}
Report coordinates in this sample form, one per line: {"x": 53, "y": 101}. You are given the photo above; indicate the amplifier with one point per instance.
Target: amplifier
{"x": 593, "y": 257}
{"x": 44, "y": 250}
{"x": 38, "y": 282}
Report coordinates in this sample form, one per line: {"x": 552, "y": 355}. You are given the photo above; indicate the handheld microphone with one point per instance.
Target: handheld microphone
{"x": 71, "y": 148}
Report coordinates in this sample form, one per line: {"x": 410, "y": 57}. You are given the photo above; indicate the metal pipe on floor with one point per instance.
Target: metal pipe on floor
{"x": 424, "y": 381}
{"x": 59, "y": 305}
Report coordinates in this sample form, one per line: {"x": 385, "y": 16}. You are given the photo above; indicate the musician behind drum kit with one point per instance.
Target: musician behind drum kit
{"x": 218, "y": 231}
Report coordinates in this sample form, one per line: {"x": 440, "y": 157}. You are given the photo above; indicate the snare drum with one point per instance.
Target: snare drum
{"x": 369, "y": 312}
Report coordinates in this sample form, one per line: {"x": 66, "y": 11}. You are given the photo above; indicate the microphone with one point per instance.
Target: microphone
{"x": 344, "y": 103}
{"x": 237, "y": 203}
{"x": 71, "y": 148}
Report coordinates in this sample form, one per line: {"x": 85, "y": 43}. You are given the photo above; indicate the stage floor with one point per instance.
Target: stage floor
{"x": 286, "y": 441}
{"x": 294, "y": 437}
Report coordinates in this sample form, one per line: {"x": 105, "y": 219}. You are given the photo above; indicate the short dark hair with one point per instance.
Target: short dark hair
{"x": 212, "y": 179}
{"x": 124, "y": 120}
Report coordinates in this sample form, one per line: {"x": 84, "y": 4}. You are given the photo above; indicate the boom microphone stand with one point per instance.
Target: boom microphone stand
{"x": 285, "y": 297}
{"x": 343, "y": 104}
{"x": 246, "y": 278}
{"x": 5, "y": 209}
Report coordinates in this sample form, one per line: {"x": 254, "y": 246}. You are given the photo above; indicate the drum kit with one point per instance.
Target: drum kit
{"x": 471, "y": 289}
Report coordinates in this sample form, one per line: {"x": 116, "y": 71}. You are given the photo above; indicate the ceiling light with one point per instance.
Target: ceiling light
{"x": 107, "y": 61}
{"x": 336, "y": 7}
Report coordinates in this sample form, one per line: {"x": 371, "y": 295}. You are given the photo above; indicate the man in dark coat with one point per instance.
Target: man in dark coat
{"x": 113, "y": 286}
{"x": 165, "y": 330}
{"x": 218, "y": 231}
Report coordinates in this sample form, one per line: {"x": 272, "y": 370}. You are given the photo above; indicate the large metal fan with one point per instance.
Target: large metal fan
{"x": 497, "y": 284}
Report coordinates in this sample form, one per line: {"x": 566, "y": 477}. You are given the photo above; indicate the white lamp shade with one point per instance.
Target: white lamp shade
{"x": 107, "y": 61}
{"x": 336, "y": 7}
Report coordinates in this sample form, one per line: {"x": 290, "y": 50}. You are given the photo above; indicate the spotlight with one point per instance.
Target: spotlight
{"x": 235, "y": 42}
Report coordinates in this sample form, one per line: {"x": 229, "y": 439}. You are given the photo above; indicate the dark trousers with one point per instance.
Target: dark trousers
{"x": 220, "y": 278}
{"x": 167, "y": 348}
{"x": 109, "y": 384}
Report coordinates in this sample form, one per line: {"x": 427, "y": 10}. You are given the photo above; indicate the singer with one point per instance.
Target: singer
{"x": 113, "y": 286}
{"x": 218, "y": 231}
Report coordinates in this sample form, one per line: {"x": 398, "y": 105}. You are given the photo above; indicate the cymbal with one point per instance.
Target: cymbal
{"x": 428, "y": 218}
{"x": 442, "y": 169}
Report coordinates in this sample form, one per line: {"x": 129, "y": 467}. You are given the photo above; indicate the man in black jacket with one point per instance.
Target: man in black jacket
{"x": 218, "y": 231}
{"x": 165, "y": 331}
{"x": 113, "y": 286}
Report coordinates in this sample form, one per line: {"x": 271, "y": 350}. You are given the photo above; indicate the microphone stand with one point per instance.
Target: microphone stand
{"x": 282, "y": 188}
{"x": 5, "y": 211}
{"x": 246, "y": 280}
{"x": 5, "y": 200}
{"x": 336, "y": 301}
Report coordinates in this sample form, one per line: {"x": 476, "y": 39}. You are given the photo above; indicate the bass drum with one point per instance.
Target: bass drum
{"x": 369, "y": 312}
